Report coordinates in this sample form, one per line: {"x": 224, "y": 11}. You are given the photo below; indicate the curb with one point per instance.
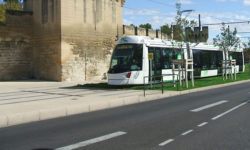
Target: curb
{"x": 45, "y": 114}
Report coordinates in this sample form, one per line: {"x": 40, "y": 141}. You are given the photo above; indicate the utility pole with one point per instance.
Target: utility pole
{"x": 228, "y": 32}
{"x": 199, "y": 28}
{"x": 172, "y": 32}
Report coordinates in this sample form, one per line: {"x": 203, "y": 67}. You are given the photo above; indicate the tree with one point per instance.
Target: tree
{"x": 181, "y": 25}
{"x": 227, "y": 40}
{"x": 2, "y": 13}
{"x": 13, "y": 4}
{"x": 146, "y": 26}
{"x": 179, "y": 32}
{"x": 166, "y": 29}
{"x": 132, "y": 25}
{"x": 9, "y": 5}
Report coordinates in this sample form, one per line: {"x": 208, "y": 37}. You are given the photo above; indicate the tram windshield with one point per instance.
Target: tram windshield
{"x": 126, "y": 57}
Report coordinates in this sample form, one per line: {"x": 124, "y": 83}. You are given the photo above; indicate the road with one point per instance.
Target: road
{"x": 217, "y": 119}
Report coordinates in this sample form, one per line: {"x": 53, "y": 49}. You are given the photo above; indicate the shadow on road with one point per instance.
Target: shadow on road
{"x": 97, "y": 86}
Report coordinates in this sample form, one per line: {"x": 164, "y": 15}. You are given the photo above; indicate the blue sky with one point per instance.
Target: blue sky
{"x": 159, "y": 12}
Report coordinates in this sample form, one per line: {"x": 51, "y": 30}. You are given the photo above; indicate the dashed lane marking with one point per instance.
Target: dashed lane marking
{"x": 166, "y": 142}
{"x": 187, "y": 132}
{"x": 202, "y": 124}
{"x": 92, "y": 141}
{"x": 208, "y": 106}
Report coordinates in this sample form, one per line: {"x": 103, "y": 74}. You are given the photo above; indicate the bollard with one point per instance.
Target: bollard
{"x": 162, "y": 86}
{"x": 144, "y": 88}
{"x": 249, "y": 67}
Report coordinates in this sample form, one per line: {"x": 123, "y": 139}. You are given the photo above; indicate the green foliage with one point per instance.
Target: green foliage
{"x": 132, "y": 25}
{"x": 166, "y": 29}
{"x": 227, "y": 39}
{"x": 2, "y": 13}
{"x": 146, "y": 26}
{"x": 13, "y": 5}
{"x": 203, "y": 82}
{"x": 248, "y": 42}
{"x": 9, "y": 5}
{"x": 181, "y": 24}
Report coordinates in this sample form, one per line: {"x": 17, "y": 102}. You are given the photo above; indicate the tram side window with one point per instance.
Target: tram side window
{"x": 219, "y": 55}
{"x": 213, "y": 60}
{"x": 158, "y": 58}
{"x": 137, "y": 58}
{"x": 238, "y": 57}
{"x": 170, "y": 54}
{"x": 207, "y": 60}
{"x": 197, "y": 58}
{"x": 167, "y": 55}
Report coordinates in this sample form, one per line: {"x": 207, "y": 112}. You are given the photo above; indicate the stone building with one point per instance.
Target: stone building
{"x": 63, "y": 40}
{"x": 60, "y": 40}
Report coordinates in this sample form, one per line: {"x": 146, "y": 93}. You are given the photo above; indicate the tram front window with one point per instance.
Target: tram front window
{"x": 126, "y": 57}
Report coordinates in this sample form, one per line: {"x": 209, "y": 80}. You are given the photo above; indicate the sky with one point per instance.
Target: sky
{"x": 160, "y": 12}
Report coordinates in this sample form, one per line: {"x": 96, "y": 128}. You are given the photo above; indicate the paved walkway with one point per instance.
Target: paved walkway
{"x": 23, "y": 102}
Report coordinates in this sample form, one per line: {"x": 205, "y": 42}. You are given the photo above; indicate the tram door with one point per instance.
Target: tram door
{"x": 156, "y": 64}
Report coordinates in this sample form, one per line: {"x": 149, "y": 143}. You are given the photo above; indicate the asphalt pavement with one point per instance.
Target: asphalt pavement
{"x": 216, "y": 119}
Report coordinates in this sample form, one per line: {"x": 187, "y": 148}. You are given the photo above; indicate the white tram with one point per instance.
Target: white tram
{"x": 130, "y": 63}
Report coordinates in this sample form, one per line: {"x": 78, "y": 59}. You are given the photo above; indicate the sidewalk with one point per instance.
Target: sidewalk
{"x": 24, "y": 102}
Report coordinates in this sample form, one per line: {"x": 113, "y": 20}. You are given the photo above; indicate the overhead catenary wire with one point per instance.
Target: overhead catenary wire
{"x": 208, "y": 24}
{"x": 243, "y": 32}
{"x": 245, "y": 37}
{"x": 161, "y": 3}
{"x": 221, "y": 23}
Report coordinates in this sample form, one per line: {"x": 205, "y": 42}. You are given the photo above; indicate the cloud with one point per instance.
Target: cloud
{"x": 141, "y": 12}
{"x": 221, "y": 0}
{"x": 226, "y": 0}
{"x": 127, "y": 22}
{"x": 186, "y": 2}
{"x": 246, "y": 2}
{"x": 158, "y": 21}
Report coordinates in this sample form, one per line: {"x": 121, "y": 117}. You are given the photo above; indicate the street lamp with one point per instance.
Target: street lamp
{"x": 187, "y": 10}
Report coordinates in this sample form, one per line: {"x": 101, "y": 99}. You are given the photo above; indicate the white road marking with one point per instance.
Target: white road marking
{"x": 166, "y": 142}
{"x": 202, "y": 124}
{"x": 92, "y": 141}
{"x": 236, "y": 107}
{"x": 209, "y": 106}
{"x": 187, "y": 132}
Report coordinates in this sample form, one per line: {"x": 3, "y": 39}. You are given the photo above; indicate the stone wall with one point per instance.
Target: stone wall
{"x": 130, "y": 30}
{"x": 89, "y": 32}
{"x": 46, "y": 39}
{"x": 15, "y": 46}
{"x": 152, "y": 33}
{"x": 63, "y": 40}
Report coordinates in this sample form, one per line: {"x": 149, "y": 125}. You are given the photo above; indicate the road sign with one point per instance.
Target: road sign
{"x": 150, "y": 56}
